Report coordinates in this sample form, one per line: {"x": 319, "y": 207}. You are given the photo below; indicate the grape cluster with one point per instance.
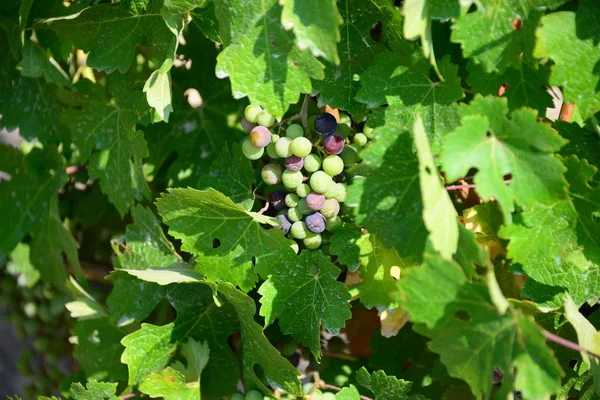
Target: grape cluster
{"x": 305, "y": 168}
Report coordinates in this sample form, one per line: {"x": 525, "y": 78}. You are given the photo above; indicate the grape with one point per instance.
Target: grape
{"x": 251, "y": 113}
{"x": 320, "y": 182}
{"x": 315, "y": 201}
{"x": 295, "y": 247}
{"x": 338, "y": 192}
{"x": 333, "y": 144}
{"x": 260, "y": 136}
{"x": 301, "y": 146}
{"x": 315, "y": 222}
{"x": 294, "y": 214}
{"x": 325, "y": 124}
{"x": 303, "y": 207}
{"x": 285, "y": 223}
{"x": 237, "y": 396}
{"x": 303, "y": 190}
{"x": 328, "y": 396}
{"x": 312, "y": 241}
{"x": 349, "y": 156}
{"x": 283, "y": 147}
{"x": 345, "y": 119}
{"x": 251, "y": 152}
{"x": 271, "y": 151}
{"x": 292, "y": 179}
{"x": 294, "y": 163}
{"x": 247, "y": 125}
{"x": 294, "y": 131}
{"x": 368, "y": 132}
{"x": 278, "y": 199}
{"x": 332, "y": 223}
{"x": 360, "y": 139}
{"x": 291, "y": 200}
{"x": 333, "y": 165}
{"x": 254, "y": 395}
{"x": 331, "y": 208}
{"x": 265, "y": 118}
{"x": 312, "y": 163}
{"x": 343, "y": 131}
{"x": 298, "y": 230}
{"x": 271, "y": 174}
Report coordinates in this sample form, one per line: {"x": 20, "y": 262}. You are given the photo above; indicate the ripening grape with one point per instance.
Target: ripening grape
{"x": 260, "y": 136}
{"x": 271, "y": 174}
{"x": 325, "y": 124}
{"x": 301, "y": 146}
{"x": 237, "y": 396}
{"x": 291, "y": 200}
{"x": 320, "y": 182}
{"x": 265, "y": 118}
{"x": 303, "y": 190}
{"x": 283, "y": 147}
{"x": 303, "y": 207}
{"x": 294, "y": 214}
{"x": 254, "y": 395}
{"x": 292, "y": 179}
{"x": 247, "y": 125}
{"x": 315, "y": 222}
{"x": 251, "y": 113}
{"x": 312, "y": 241}
{"x": 285, "y": 223}
{"x": 330, "y": 209}
{"x": 294, "y": 163}
{"x": 333, "y": 165}
{"x": 294, "y": 131}
{"x": 315, "y": 201}
{"x": 333, "y": 223}
{"x": 251, "y": 152}
{"x": 298, "y": 230}
{"x": 278, "y": 199}
{"x": 312, "y": 163}
{"x": 360, "y": 139}
{"x": 333, "y": 144}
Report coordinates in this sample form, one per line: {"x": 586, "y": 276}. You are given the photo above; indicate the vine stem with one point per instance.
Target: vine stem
{"x": 130, "y": 395}
{"x": 469, "y": 185}
{"x": 568, "y": 344}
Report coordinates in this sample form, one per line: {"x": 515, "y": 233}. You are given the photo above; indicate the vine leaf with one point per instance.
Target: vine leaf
{"x": 350, "y": 245}
{"x": 94, "y": 391}
{"x": 384, "y": 387}
{"x": 316, "y": 31}
{"x": 261, "y": 59}
{"x": 417, "y": 23}
{"x": 487, "y": 134}
{"x": 305, "y": 295}
{"x": 35, "y": 63}
{"x": 20, "y": 265}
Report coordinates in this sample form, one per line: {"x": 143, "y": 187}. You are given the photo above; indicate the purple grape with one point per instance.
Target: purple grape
{"x": 339, "y": 177}
{"x": 247, "y": 125}
{"x": 285, "y": 223}
{"x": 315, "y": 223}
{"x": 333, "y": 144}
{"x": 315, "y": 201}
{"x": 325, "y": 124}
{"x": 278, "y": 199}
{"x": 294, "y": 163}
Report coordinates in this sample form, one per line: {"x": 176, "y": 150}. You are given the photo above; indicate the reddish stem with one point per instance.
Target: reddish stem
{"x": 469, "y": 185}
{"x": 130, "y": 395}
{"x": 568, "y": 344}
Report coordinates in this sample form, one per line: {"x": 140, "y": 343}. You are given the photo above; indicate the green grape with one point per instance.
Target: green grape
{"x": 265, "y": 118}
{"x": 283, "y": 147}
{"x": 343, "y": 131}
{"x": 330, "y": 209}
{"x": 251, "y": 113}
{"x": 271, "y": 174}
{"x": 368, "y": 132}
{"x": 312, "y": 240}
{"x": 303, "y": 190}
{"x": 294, "y": 131}
{"x": 274, "y": 138}
{"x": 328, "y": 396}
{"x": 301, "y": 147}
{"x": 345, "y": 119}
{"x": 311, "y": 122}
{"x": 349, "y": 156}
{"x": 294, "y": 214}
{"x": 332, "y": 223}
{"x": 338, "y": 192}
{"x": 254, "y": 395}
{"x": 295, "y": 247}
{"x": 312, "y": 163}
{"x": 271, "y": 151}
{"x": 333, "y": 165}
{"x": 306, "y": 388}
{"x": 292, "y": 179}
{"x": 291, "y": 200}
{"x": 320, "y": 182}
{"x": 251, "y": 152}
{"x": 30, "y": 309}
{"x": 360, "y": 139}
{"x": 237, "y": 396}
{"x": 303, "y": 207}
{"x": 299, "y": 230}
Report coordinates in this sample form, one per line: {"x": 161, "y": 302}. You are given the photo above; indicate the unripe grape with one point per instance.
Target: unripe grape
{"x": 294, "y": 163}
{"x": 303, "y": 207}
{"x": 333, "y": 223}
{"x": 360, "y": 139}
{"x": 291, "y": 200}
{"x": 325, "y": 124}
{"x": 237, "y": 396}
{"x": 328, "y": 396}
{"x": 312, "y": 163}
{"x": 320, "y": 182}
{"x": 312, "y": 241}
{"x": 265, "y": 118}
{"x": 301, "y": 146}
{"x": 294, "y": 214}
{"x": 247, "y": 125}
{"x": 315, "y": 222}
{"x": 271, "y": 174}
{"x": 291, "y": 179}
{"x": 295, "y": 247}
{"x": 338, "y": 192}
{"x": 283, "y": 147}
{"x": 285, "y": 223}
{"x": 343, "y": 131}
{"x": 251, "y": 113}
{"x": 331, "y": 208}
{"x": 271, "y": 151}
{"x": 333, "y": 144}
{"x": 303, "y": 190}
{"x": 315, "y": 201}
{"x": 294, "y": 131}
{"x": 298, "y": 230}
{"x": 368, "y": 132}
{"x": 251, "y": 152}
{"x": 349, "y": 156}
{"x": 260, "y": 136}
{"x": 345, "y": 119}
{"x": 278, "y": 199}
{"x": 274, "y": 138}
{"x": 254, "y": 395}
{"x": 333, "y": 165}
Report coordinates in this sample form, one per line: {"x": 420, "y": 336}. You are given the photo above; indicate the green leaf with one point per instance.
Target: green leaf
{"x": 169, "y": 384}
{"x": 384, "y": 387}
{"x": 583, "y": 142}
{"x": 349, "y": 244}
{"x": 177, "y": 273}
{"x": 315, "y": 31}
{"x": 258, "y": 47}
{"x": 388, "y": 200}
{"x": 487, "y": 134}
{"x": 348, "y": 393}
{"x": 35, "y": 64}
{"x": 304, "y": 295}
{"x": 20, "y": 265}
{"x": 158, "y": 93}
{"x": 417, "y": 23}
{"x": 93, "y": 391}
{"x": 576, "y": 56}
